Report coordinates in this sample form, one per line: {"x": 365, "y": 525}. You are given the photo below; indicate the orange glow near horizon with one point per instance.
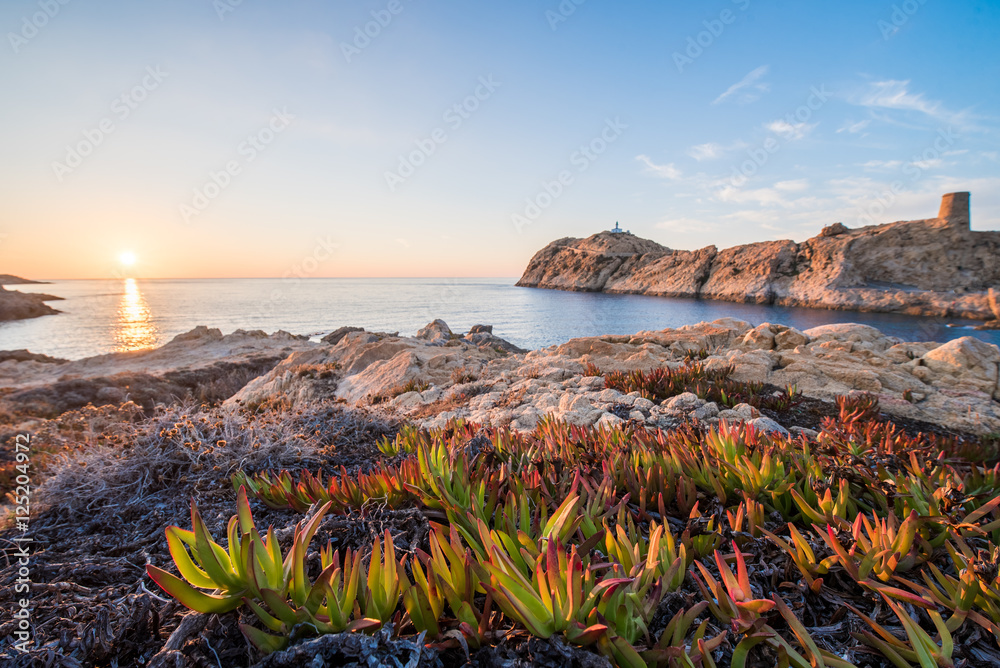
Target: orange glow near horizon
{"x": 134, "y": 329}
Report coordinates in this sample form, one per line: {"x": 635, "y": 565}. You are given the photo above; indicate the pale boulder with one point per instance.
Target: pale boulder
{"x": 760, "y": 337}
{"x": 380, "y": 377}
{"x": 608, "y": 421}
{"x": 789, "y": 338}
{"x": 684, "y": 402}
{"x": 965, "y": 356}
{"x": 768, "y": 426}
{"x": 844, "y": 331}
{"x": 436, "y": 331}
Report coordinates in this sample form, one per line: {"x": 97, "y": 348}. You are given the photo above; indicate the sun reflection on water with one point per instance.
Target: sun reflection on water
{"x": 134, "y": 328}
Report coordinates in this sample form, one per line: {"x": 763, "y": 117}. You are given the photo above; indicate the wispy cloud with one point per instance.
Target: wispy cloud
{"x": 881, "y": 165}
{"x": 668, "y": 171}
{"x": 855, "y": 128}
{"x": 932, "y": 163}
{"x": 748, "y": 89}
{"x": 713, "y": 150}
{"x": 895, "y": 96}
{"x": 790, "y": 130}
{"x": 793, "y": 186}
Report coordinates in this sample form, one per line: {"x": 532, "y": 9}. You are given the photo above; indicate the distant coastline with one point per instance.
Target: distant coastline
{"x": 11, "y": 279}
{"x": 936, "y": 267}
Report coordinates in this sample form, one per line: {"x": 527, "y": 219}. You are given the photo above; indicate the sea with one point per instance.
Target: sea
{"x": 104, "y": 316}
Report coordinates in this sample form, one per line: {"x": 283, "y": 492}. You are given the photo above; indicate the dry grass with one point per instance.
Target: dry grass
{"x": 99, "y": 516}
{"x": 211, "y": 384}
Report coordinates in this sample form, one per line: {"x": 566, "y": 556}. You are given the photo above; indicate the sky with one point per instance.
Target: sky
{"x": 238, "y": 138}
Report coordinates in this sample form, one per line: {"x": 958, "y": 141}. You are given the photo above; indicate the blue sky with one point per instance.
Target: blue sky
{"x": 260, "y": 138}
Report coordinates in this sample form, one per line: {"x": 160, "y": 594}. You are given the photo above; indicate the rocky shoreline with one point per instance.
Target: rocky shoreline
{"x": 935, "y": 267}
{"x": 438, "y": 374}
{"x": 136, "y": 436}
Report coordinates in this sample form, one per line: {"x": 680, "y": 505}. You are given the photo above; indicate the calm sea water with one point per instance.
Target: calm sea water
{"x": 113, "y": 315}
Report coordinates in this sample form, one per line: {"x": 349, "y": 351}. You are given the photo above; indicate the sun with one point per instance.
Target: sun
{"x": 127, "y": 258}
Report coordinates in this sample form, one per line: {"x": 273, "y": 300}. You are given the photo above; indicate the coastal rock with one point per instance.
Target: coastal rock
{"x": 952, "y": 384}
{"x": 377, "y": 367}
{"x": 684, "y": 402}
{"x": 435, "y": 332}
{"x": 788, "y": 338}
{"x": 381, "y": 377}
{"x": 674, "y": 274}
{"x": 834, "y": 230}
{"x": 966, "y": 356}
{"x": 10, "y": 279}
{"x": 16, "y": 305}
{"x": 768, "y": 426}
{"x": 937, "y": 267}
{"x": 334, "y": 337}
{"x": 28, "y": 356}
{"x": 201, "y": 333}
{"x": 586, "y": 265}
{"x": 191, "y": 352}
{"x": 760, "y": 337}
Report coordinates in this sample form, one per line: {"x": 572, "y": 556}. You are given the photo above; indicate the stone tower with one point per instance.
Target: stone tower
{"x": 954, "y": 211}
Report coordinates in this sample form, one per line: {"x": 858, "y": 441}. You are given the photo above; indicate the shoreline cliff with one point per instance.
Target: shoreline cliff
{"x": 934, "y": 267}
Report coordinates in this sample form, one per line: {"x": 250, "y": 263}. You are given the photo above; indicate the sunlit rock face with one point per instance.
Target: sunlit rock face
{"x": 937, "y": 267}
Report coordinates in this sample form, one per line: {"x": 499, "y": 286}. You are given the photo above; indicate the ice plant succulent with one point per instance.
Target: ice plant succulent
{"x": 204, "y": 564}
{"x": 731, "y": 601}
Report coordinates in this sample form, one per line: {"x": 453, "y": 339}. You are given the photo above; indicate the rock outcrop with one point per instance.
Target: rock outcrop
{"x": 429, "y": 381}
{"x": 375, "y": 367}
{"x": 16, "y": 305}
{"x": 935, "y": 267}
{"x": 199, "y": 348}
{"x": 953, "y": 384}
{"x": 11, "y": 279}
{"x": 443, "y": 375}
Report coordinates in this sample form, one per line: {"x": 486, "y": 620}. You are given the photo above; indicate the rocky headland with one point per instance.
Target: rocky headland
{"x": 11, "y": 279}
{"x": 16, "y": 305}
{"x": 934, "y": 267}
